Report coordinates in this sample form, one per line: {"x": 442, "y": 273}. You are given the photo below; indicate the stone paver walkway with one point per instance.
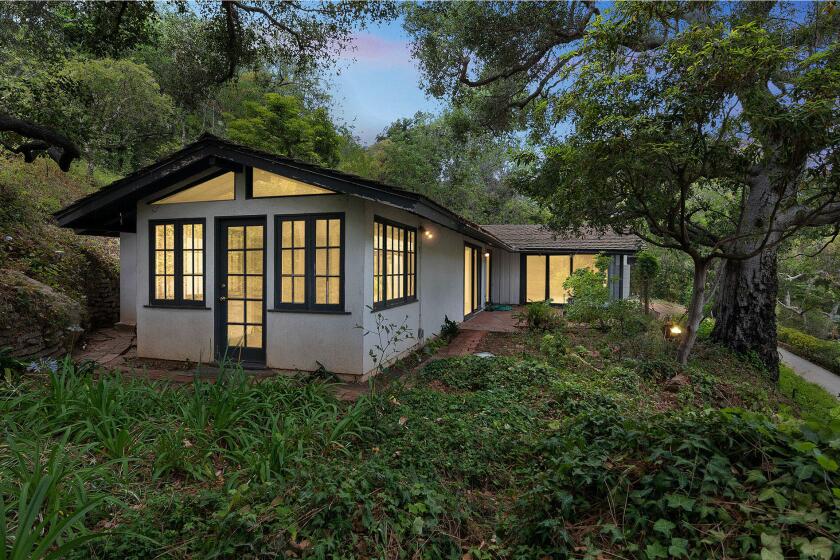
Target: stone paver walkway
{"x": 492, "y": 321}
{"x": 811, "y": 372}
{"x": 106, "y": 346}
{"x": 464, "y": 344}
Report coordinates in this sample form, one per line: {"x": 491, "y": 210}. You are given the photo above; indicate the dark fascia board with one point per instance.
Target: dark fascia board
{"x": 210, "y": 153}
{"x": 127, "y": 191}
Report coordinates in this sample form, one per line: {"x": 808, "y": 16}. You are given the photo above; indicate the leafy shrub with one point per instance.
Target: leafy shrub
{"x": 823, "y": 352}
{"x": 554, "y": 345}
{"x": 730, "y": 470}
{"x": 449, "y": 329}
{"x": 588, "y": 297}
{"x": 539, "y": 316}
{"x": 473, "y": 373}
{"x": 625, "y": 317}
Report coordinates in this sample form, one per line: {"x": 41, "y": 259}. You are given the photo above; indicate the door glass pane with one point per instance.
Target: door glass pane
{"x": 535, "y": 277}
{"x": 236, "y": 335}
{"x": 468, "y": 280}
{"x": 486, "y": 277}
{"x": 558, "y": 271}
{"x": 245, "y": 285}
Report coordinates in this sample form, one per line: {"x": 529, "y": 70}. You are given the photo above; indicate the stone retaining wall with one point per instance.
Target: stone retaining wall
{"x": 36, "y": 320}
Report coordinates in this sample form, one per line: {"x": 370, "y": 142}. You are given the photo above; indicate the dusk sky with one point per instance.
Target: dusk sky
{"x": 378, "y": 82}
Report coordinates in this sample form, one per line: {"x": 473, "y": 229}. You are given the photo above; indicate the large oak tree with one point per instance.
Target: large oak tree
{"x": 711, "y": 129}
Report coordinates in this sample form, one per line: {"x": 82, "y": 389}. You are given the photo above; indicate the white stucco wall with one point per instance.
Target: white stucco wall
{"x": 440, "y": 282}
{"x": 128, "y": 278}
{"x": 294, "y": 340}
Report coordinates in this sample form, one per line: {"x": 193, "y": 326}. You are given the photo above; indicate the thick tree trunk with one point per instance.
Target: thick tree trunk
{"x": 695, "y": 311}
{"x": 745, "y": 310}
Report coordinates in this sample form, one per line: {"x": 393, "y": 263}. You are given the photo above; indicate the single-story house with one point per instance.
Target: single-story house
{"x": 230, "y": 251}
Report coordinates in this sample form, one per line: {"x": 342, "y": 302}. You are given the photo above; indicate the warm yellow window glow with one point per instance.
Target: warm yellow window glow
{"x": 468, "y": 280}
{"x": 214, "y": 190}
{"x": 268, "y": 184}
{"x": 327, "y": 262}
{"x": 394, "y": 263}
{"x": 164, "y": 262}
{"x": 558, "y": 272}
{"x": 192, "y": 253}
{"x": 584, "y": 261}
{"x": 245, "y": 254}
{"x": 535, "y": 278}
{"x": 293, "y": 261}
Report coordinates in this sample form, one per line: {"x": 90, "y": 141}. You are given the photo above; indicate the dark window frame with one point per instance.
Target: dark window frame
{"x": 178, "y": 301}
{"x": 309, "y": 304}
{"x": 405, "y": 300}
{"x": 523, "y": 269}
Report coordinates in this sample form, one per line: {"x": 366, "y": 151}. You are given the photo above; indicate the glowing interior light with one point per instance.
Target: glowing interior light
{"x": 675, "y": 329}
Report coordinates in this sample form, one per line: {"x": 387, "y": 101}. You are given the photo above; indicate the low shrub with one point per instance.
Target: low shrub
{"x": 823, "y": 352}
{"x": 539, "y": 316}
{"x": 554, "y": 345}
{"x": 449, "y": 329}
{"x": 723, "y": 483}
{"x": 474, "y": 373}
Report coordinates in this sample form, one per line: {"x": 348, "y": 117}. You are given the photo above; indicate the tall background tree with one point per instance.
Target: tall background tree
{"x": 220, "y": 40}
{"x": 711, "y": 129}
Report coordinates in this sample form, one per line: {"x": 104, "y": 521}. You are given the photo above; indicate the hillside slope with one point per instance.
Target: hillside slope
{"x": 53, "y": 283}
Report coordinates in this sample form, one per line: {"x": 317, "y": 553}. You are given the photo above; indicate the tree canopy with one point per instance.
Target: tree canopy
{"x": 217, "y": 40}
{"x": 707, "y": 128}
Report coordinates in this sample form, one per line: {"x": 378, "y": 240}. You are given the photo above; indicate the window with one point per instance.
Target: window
{"x": 394, "y": 264}
{"x": 177, "y": 262}
{"x": 265, "y": 184}
{"x": 546, "y": 274}
{"x": 211, "y": 190}
{"x": 310, "y": 262}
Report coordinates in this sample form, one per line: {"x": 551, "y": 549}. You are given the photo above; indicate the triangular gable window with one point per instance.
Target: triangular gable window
{"x": 213, "y": 190}
{"x": 267, "y": 184}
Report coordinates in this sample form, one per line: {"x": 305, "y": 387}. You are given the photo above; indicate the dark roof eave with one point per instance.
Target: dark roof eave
{"x": 133, "y": 187}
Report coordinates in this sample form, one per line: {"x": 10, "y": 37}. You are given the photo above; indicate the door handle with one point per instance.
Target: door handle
{"x": 222, "y": 298}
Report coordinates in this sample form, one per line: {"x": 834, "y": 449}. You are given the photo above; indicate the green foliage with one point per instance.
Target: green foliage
{"x": 554, "y": 345}
{"x": 588, "y": 295}
{"x": 671, "y": 473}
{"x": 539, "y": 316}
{"x": 449, "y": 329}
{"x": 281, "y": 125}
{"x": 449, "y": 160}
{"x": 823, "y": 352}
{"x": 811, "y": 398}
{"x": 508, "y": 446}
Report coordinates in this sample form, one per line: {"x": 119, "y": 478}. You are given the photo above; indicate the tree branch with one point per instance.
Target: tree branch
{"x": 44, "y": 140}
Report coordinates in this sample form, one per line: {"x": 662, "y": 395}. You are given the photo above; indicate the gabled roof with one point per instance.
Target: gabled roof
{"x": 532, "y": 238}
{"x": 112, "y": 209}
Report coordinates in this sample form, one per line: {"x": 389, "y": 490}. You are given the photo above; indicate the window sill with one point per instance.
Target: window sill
{"x": 307, "y": 311}
{"x": 387, "y": 306}
{"x": 180, "y": 307}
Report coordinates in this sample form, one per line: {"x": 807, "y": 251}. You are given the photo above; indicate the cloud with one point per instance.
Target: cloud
{"x": 378, "y": 51}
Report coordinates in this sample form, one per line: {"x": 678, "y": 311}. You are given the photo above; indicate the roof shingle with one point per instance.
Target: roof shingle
{"x": 531, "y": 237}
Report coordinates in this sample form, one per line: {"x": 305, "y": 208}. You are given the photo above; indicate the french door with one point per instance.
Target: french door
{"x": 472, "y": 279}
{"x": 240, "y": 290}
